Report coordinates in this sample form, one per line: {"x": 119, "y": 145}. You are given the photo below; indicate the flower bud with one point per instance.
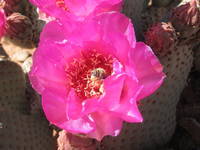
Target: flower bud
{"x": 12, "y": 6}
{"x": 19, "y": 27}
{"x": 186, "y": 18}
{"x": 161, "y": 37}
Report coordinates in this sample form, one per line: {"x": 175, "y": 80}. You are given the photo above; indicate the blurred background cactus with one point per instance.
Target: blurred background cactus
{"x": 170, "y": 27}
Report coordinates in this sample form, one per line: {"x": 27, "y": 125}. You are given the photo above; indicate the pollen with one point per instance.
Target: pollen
{"x": 61, "y": 4}
{"x": 86, "y": 74}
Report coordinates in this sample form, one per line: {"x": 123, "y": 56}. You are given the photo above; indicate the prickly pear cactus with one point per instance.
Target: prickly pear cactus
{"x": 133, "y": 9}
{"x": 12, "y": 87}
{"x": 155, "y": 11}
{"x": 158, "y": 110}
{"x": 27, "y": 20}
{"x": 161, "y": 3}
{"x": 25, "y": 132}
{"x": 185, "y": 18}
{"x": 19, "y": 129}
{"x": 197, "y": 58}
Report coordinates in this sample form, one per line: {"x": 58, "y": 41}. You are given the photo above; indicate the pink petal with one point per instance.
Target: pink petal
{"x": 56, "y": 34}
{"x": 106, "y": 6}
{"x": 147, "y": 68}
{"x": 78, "y": 9}
{"x": 74, "y": 106}
{"x": 127, "y": 109}
{"x": 2, "y": 23}
{"x": 80, "y": 125}
{"x": 79, "y": 31}
{"x": 83, "y": 8}
{"x": 54, "y": 107}
{"x": 106, "y": 124}
{"x": 50, "y": 8}
{"x": 120, "y": 25}
{"x": 121, "y": 30}
{"x": 48, "y": 68}
{"x": 101, "y": 31}
{"x": 113, "y": 86}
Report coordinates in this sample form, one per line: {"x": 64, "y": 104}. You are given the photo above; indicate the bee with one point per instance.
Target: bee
{"x": 98, "y": 73}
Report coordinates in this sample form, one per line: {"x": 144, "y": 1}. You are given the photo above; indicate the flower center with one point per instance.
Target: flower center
{"x": 86, "y": 74}
{"x": 61, "y": 4}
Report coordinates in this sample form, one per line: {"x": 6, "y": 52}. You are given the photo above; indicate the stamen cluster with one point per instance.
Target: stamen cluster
{"x": 87, "y": 73}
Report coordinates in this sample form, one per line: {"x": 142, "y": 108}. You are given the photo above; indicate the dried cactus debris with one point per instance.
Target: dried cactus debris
{"x": 68, "y": 141}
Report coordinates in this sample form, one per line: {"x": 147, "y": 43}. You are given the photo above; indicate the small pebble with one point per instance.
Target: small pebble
{"x": 20, "y": 56}
{"x": 2, "y": 58}
{"x": 26, "y": 66}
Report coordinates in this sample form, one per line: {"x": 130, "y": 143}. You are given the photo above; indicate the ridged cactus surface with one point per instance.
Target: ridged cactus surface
{"x": 24, "y": 132}
{"x": 19, "y": 129}
{"x": 197, "y": 58}
{"x": 133, "y": 9}
{"x": 12, "y": 87}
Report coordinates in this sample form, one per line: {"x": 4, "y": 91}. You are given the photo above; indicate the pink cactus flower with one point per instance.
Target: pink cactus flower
{"x": 91, "y": 74}
{"x": 2, "y": 23}
{"x": 79, "y": 8}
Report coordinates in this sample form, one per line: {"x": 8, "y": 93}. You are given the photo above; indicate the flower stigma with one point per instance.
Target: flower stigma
{"x": 86, "y": 74}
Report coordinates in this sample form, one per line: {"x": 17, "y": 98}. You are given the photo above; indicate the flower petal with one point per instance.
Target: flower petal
{"x": 54, "y": 107}
{"x": 56, "y": 34}
{"x": 74, "y": 106}
{"x": 147, "y": 68}
{"x": 127, "y": 108}
{"x": 121, "y": 30}
{"x": 106, "y": 124}
{"x": 50, "y": 8}
{"x": 120, "y": 24}
{"x": 45, "y": 72}
{"x": 111, "y": 99}
{"x": 78, "y": 9}
{"x": 2, "y": 23}
{"x": 80, "y": 125}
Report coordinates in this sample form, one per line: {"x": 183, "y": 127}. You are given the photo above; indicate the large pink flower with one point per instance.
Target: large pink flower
{"x": 2, "y": 23}
{"x": 78, "y": 9}
{"x": 91, "y": 74}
